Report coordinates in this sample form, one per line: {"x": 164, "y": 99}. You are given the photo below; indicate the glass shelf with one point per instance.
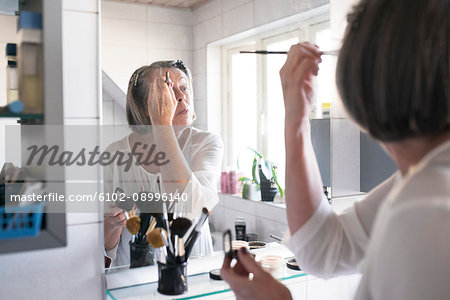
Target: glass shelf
{"x": 199, "y": 285}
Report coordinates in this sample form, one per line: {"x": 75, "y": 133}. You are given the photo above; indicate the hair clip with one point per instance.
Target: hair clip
{"x": 179, "y": 64}
{"x": 354, "y": 16}
{"x": 134, "y": 78}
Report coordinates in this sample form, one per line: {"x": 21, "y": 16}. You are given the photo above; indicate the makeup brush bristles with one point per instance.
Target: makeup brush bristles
{"x": 133, "y": 224}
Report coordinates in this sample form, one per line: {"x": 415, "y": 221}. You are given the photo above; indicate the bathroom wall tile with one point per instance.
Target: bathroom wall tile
{"x": 80, "y": 65}
{"x": 107, "y": 112}
{"x": 271, "y": 212}
{"x": 79, "y": 264}
{"x": 239, "y": 204}
{"x": 238, "y": 19}
{"x": 119, "y": 115}
{"x": 228, "y": 5}
{"x": 268, "y": 10}
{"x": 120, "y": 78}
{"x": 158, "y": 14}
{"x": 128, "y": 33}
{"x": 154, "y": 54}
{"x": 207, "y": 11}
{"x": 123, "y": 58}
{"x": 304, "y": 5}
{"x": 208, "y": 31}
{"x": 199, "y": 61}
{"x": 200, "y": 85}
{"x": 122, "y": 10}
{"x": 169, "y": 36}
{"x": 265, "y": 227}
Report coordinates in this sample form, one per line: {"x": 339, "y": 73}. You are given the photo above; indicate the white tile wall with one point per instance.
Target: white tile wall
{"x": 303, "y": 5}
{"x": 118, "y": 10}
{"x": 135, "y": 35}
{"x": 169, "y": 36}
{"x": 208, "y": 31}
{"x": 154, "y": 54}
{"x": 119, "y": 115}
{"x": 207, "y": 11}
{"x": 232, "y": 4}
{"x": 71, "y": 272}
{"x": 80, "y": 59}
{"x": 157, "y": 14}
{"x": 268, "y": 10}
{"x": 123, "y": 58}
{"x": 243, "y": 13}
{"x": 121, "y": 32}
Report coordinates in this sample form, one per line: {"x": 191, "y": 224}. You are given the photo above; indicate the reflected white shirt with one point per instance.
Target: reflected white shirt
{"x": 203, "y": 152}
{"x": 398, "y": 236}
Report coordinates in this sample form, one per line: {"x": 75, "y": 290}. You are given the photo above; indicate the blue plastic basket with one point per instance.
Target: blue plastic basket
{"x": 21, "y": 221}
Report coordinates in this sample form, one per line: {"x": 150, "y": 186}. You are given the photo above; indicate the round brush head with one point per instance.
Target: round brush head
{"x": 154, "y": 237}
{"x": 180, "y": 226}
{"x": 134, "y": 224}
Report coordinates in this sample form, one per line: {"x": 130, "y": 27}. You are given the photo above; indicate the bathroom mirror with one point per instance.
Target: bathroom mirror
{"x": 238, "y": 96}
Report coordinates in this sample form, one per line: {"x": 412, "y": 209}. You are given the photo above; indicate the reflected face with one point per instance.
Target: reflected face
{"x": 182, "y": 88}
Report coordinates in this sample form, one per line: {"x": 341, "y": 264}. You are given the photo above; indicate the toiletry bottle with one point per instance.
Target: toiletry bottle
{"x": 12, "y": 87}
{"x": 232, "y": 183}
{"x": 30, "y": 64}
{"x": 240, "y": 229}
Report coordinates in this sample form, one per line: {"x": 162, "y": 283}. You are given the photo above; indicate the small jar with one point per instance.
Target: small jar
{"x": 272, "y": 264}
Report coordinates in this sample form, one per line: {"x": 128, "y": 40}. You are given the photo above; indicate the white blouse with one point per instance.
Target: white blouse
{"x": 203, "y": 152}
{"x": 398, "y": 236}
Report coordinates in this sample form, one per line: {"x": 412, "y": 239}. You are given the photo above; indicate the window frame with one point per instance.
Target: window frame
{"x": 303, "y": 31}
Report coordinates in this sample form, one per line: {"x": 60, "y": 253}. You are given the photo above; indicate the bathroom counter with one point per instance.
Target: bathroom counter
{"x": 142, "y": 283}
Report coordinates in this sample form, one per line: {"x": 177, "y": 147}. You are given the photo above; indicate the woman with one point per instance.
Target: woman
{"x": 393, "y": 75}
{"x": 161, "y": 95}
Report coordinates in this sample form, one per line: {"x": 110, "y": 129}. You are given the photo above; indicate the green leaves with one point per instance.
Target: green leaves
{"x": 266, "y": 167}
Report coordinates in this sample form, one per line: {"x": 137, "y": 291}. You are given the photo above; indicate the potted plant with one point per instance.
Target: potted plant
{"x": 266, "y": 182}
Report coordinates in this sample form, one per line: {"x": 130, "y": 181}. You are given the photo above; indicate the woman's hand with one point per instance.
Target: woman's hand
{"x": 161, "y": 103}
{"x": 262, "y": 286}
{"x": 113, "y": 225}
{"x": 297, "y": 81}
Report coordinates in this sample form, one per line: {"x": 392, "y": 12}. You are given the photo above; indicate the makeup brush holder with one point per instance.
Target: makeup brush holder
{"x": 141, "y": 255}
{"x": 172, "y": 278}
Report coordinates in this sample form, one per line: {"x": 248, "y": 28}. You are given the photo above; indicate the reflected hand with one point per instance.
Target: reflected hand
{"x": 296, "y": 75}
{"x": 261, "y": 286}
{"x": 161, "y": 103}
{"x": 113, "y": 224}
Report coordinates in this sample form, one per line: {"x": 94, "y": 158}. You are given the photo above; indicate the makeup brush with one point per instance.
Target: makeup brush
{"x": 190, "y": 241}
{"x": 265, "y": 52}
{"x": 181, "y": 251}
{"x": 145, "y": 217}
{"x": 151, "y": 226}
{"x": 133, "y": 223}
{"x": 154, "y": 237}
{"x": 180, "y": 226}
{"x": 167, "y": 227}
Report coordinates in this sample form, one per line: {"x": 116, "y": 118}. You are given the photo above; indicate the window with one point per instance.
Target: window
{"x": 255, "y": 110}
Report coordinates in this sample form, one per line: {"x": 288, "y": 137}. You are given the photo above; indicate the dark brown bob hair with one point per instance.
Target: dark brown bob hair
{"x": 393, "y": 70}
